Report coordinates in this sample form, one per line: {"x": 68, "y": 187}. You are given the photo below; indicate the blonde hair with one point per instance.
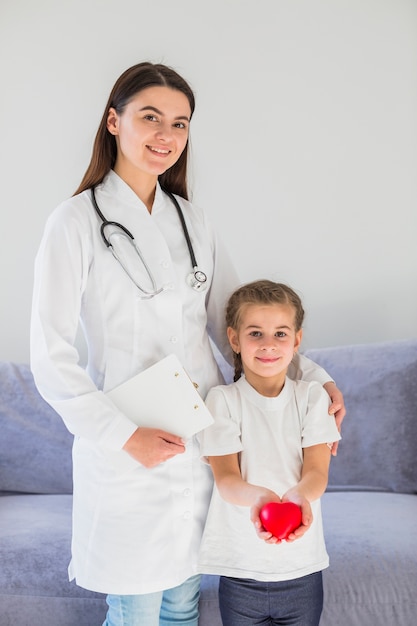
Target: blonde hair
{"x": 260, "y": 292}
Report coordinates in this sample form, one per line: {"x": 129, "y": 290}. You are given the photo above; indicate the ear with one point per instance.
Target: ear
{"x": 233, "y": 339}
{"x": 113, "y": 121}
{"x": 298, "y": 337}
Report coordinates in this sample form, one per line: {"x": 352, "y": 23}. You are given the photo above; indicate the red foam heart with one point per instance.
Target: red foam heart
{"x": 280, "y": 518}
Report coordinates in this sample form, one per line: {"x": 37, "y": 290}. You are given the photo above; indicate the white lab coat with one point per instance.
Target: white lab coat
{"x": 135, "y": 530}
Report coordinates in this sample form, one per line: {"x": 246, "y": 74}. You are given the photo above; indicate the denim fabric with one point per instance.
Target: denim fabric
{"x": 177, "y": 606}
{"x": 245, "y": 602}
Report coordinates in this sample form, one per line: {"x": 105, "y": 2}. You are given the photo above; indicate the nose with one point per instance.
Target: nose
{"x": 164, "y": 131}
{"x": 268, "y": 343}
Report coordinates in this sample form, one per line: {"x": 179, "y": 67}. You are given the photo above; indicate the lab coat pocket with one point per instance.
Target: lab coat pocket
{"x": 120, "y": 461}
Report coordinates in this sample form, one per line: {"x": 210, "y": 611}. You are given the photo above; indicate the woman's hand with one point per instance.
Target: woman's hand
{"x": 151, "y": 446}
{"x": 337, "y": 408}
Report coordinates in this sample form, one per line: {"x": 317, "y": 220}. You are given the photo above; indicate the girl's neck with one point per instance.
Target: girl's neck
{"x": 270, "y": 387}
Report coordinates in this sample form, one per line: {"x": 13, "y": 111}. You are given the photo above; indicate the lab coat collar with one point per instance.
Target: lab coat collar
{"x": 115, "y": 186}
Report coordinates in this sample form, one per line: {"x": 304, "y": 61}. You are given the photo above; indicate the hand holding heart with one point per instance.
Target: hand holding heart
{"x": 281, "y": 518}
{"x": 269, "y": 532}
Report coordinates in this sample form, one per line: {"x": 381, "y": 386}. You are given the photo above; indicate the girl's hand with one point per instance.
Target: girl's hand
{"x": 306, "y": 514}
{"x": 151, "y": 446}
{"x": 265, "y": 535}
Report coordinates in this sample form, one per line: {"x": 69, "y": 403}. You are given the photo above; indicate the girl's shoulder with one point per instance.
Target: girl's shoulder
{"x": 224, "y": 397}
{"x": 225, "y": 391}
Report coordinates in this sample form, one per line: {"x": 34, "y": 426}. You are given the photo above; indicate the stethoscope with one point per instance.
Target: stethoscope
{"x": 196, "y": 279}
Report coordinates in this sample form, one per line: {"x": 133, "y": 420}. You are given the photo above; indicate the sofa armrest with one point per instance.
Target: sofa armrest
{"x": 35, "y": 446}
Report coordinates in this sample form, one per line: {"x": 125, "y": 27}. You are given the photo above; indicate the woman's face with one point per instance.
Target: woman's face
{"x": 151, "y": 133}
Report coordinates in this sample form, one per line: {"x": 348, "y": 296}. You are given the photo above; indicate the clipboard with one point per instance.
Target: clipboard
{"x": 163, "y": 396}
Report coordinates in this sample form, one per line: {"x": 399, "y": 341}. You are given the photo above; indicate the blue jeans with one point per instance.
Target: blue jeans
{"x": 177, "y": 606}
{"x": 245, "y": 602}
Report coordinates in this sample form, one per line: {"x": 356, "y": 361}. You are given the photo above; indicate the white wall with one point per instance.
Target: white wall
{"x": 304, "y": 141}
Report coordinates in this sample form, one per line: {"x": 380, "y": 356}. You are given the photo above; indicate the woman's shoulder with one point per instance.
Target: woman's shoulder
{"x": 75, "y": 207}
{"x": 73, "y": 215}
{"x": 73, "y": 204}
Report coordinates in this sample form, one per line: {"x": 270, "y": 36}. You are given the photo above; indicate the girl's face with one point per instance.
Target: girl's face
{"x": 151, "y": 133}
{"x": 267, "y": 340}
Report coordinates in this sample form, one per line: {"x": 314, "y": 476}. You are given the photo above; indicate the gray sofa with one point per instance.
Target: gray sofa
{"x": 370, "y": 508}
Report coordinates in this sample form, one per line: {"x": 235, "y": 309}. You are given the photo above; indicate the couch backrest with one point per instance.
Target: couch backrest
{"x": 378, "y": 449}
{"x": 379, "y": 434}
{"x": 35, "y": 446}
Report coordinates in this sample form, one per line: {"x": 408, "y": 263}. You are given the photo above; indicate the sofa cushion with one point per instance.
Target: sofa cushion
{"x": 35, "y": 446}
{"x": 35, "y": 543}
{"x": 379, "y": 433}
{"x": 372, "y": 544}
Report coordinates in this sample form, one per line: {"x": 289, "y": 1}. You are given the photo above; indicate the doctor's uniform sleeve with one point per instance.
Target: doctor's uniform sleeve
{"x": 61, "y": 270}
{"x": 303, "y": 368}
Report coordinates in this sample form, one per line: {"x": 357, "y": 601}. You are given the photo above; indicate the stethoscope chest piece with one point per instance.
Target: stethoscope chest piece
{"x": 197, "y": 280}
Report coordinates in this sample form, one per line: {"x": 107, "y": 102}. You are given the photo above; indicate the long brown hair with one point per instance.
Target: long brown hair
{"x": 260, "y": 292}
{"x": 131, "y": 82}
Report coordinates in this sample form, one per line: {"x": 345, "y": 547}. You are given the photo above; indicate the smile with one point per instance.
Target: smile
{"x": 159, "y": 150}
{"x": 268, "y": 360}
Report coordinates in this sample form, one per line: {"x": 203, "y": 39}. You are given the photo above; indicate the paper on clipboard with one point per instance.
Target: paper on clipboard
{"x": 163, "y": 396}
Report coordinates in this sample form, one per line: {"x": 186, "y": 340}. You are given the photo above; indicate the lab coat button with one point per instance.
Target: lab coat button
{"x": 187, "y": 515}
{"x": 174, "y": 339}
{"x": 165, "y": 264}
{"x": 186, "y": 493}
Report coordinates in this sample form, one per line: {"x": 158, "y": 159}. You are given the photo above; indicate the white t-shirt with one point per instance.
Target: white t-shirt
{"x": 269, "y": 434}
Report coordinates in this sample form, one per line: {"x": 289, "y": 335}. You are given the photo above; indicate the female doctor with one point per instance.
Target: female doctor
{"x": 145, "y": 278}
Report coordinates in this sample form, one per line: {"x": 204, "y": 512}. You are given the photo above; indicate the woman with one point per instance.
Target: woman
{"x": 140, "y": 494}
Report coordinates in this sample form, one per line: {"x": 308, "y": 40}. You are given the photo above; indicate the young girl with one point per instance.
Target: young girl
{"x": 270, "y": 441}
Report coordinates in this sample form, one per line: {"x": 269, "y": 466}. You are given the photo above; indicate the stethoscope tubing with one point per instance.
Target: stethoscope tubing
{"x": 106, "y": 222}
{"x": 184, "y": 228}
{"x": 197, "y": 279}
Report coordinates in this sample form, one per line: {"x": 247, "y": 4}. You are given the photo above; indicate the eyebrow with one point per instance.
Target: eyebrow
{"x": 155, "y": 110}
{"x": 276, "y": 327}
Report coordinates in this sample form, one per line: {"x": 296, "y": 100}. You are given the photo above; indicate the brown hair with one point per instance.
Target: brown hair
{"x": 131, "y": 82}
{"x": 260, "y": 292}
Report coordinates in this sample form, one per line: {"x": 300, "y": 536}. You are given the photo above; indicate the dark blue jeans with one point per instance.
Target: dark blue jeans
{"x": 245, "y": 602}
